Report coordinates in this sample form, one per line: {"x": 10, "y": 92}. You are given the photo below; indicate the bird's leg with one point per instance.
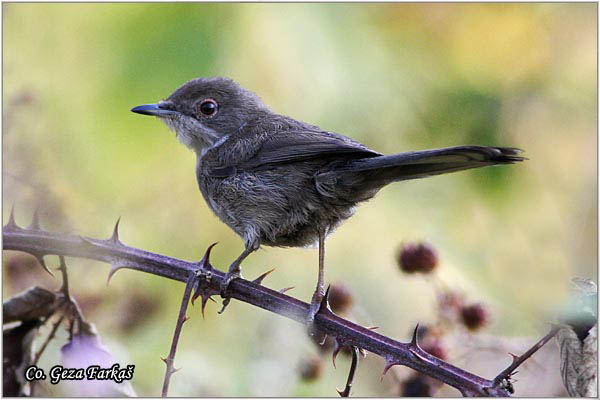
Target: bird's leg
{"x": 234, "y": 269}
{"x": 234, "y": 272}
{"x": 315, "y": 303}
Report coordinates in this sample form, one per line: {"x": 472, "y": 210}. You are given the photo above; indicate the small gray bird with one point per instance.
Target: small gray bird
{"x": 280, "y": 182}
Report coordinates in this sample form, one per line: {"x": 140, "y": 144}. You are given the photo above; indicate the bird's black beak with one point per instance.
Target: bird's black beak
{"x": 157, "y": 110}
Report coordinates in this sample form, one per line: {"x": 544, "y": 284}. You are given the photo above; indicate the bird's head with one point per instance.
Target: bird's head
{"x": 204, "y": 110}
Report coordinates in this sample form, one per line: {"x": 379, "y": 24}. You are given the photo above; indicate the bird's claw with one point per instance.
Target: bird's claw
{"x": 319, "y": 302}
{"x": 231, "y": 275}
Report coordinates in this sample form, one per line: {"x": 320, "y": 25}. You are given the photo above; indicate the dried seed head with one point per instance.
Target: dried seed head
{"x": 450, "y": 303}
{"x": 416, "y": 386}
{"x": 310, "y": 369}
{"x": 417, "y": 257}
{"x": 474, "y": 316}
{"x": 450, "y": 300}
{"x": 340, "y": 298}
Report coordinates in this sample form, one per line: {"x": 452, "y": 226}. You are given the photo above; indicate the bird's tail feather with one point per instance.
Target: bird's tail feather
{"x": 419, "y": 164}
{"x": 371, "y": 174}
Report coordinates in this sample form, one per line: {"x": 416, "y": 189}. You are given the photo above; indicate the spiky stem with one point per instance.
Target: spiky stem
{"x": 350, "y": 380}
{"x": 121, "y": 256}
{"x": 169, "y": 361}
{"x": 49, "y": 338}
{"x": 518, "y": 360}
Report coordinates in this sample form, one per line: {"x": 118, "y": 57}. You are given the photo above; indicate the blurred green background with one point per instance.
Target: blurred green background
{"x": 396, "y": 77}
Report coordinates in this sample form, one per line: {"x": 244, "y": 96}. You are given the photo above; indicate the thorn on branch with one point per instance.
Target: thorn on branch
{"x": 35, "y": 221}
{"x": 65, "y": 279}
{"x": 325, "y": 302}
{"x": 204, "y": 301}
{"x": 414, "y": 342}
{"x": 346, "y": 392}
{"x": 340, "y": 298}
{"x": 286, "y": 289}
{"x": 205, "y": 298}
{"x": 204, "y": 263}
{"x": 259, "y": 280}
{"x": 114, "y": 238}
{"x": 40, "y": 258}
{"x": 114, "y": 267}
{"x": 340, "y": 345}
{"x": 336, "y": 349}
{"x": 203, "y": 278}
{"x": 11, "y": 224}
{"x": 503, "y": 378}
{"x": 389, "y": 363}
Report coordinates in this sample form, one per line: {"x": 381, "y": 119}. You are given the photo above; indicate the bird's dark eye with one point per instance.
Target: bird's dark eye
{"x": 208, "y": 107}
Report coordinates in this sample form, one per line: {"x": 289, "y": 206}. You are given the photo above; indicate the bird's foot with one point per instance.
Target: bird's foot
{"x": 234, "y": 273}
{"x": 319, "y": 301}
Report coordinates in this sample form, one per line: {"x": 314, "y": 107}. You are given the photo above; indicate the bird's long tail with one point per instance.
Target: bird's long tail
{"x": 370, "y": 174}
{"x": 419, "y": 164}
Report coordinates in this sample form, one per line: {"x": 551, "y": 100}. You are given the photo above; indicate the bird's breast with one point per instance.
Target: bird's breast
{"x": 281, "y": 206}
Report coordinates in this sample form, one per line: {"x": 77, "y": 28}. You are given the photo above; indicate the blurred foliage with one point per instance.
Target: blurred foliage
{"x": 393, "y": 76}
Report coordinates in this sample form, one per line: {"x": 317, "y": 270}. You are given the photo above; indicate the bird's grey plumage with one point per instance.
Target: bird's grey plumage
{"x": 279, "y": 182}
{"x": 279, "y": 172}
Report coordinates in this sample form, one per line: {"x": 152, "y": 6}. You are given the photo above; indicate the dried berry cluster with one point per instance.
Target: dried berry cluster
{"x": 453, "y": 313}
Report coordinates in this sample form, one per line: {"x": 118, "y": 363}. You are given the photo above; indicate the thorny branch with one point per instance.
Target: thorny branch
{"x": 346, "y": 391}
{"x": 49, "y": 338}
{"x": 65, "y": 279}
{"x": 180, "y": 321}
{"x": 518, "y": 360}
{"x": 65, "y": 302}
{"x": 40, "y": 243}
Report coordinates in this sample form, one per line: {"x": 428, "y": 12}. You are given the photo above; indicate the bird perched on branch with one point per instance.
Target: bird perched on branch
{"x": 280, "y": 182}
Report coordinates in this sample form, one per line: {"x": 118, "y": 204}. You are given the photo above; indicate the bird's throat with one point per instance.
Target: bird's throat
{"x": 192, "y": 134}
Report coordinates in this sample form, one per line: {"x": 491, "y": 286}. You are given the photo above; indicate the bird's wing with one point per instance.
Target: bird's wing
{"x": 298, "y": 146}
{"x": 293, "y": 146}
